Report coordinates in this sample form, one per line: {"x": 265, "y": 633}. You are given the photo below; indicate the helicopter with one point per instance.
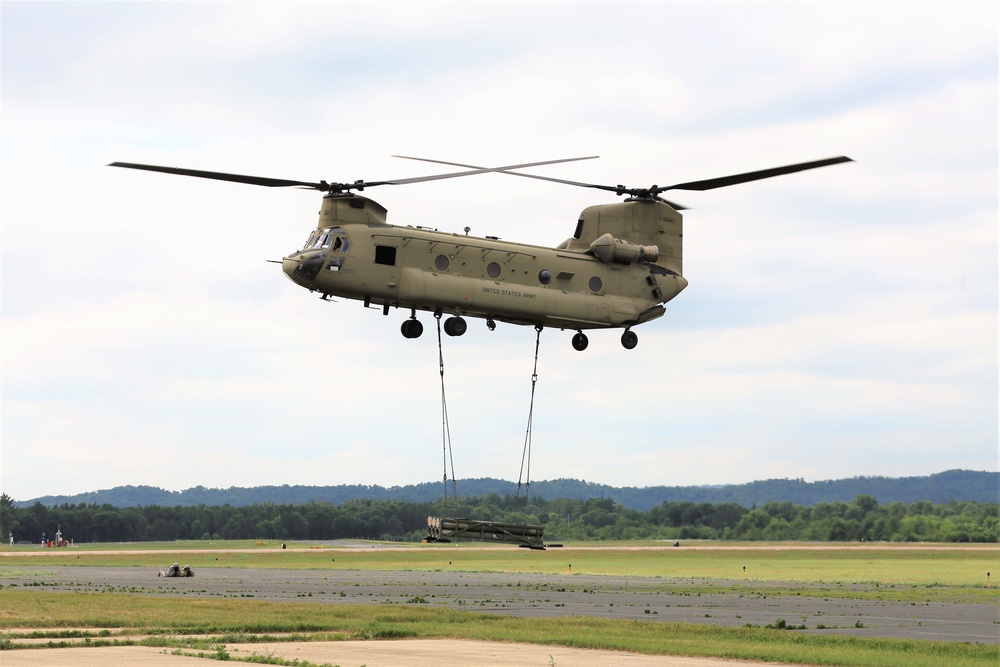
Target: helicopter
{"x": 618, "y": 269}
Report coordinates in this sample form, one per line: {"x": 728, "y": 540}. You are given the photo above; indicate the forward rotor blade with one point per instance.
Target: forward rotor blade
{"x": 712, "y": 183}
{"x": 221, "y": 176}
{"x": 323, "y": 185}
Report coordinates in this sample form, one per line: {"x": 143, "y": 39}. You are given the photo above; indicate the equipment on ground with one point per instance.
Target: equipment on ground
{"x": 451, "y": 529}
{"x": 176, "y": 571}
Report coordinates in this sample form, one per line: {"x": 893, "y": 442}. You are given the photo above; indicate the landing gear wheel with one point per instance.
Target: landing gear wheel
{"x": 580, "y": 341}
{"x": 629, "y": 339}
{"x": 455, "y": 326}
{"x": 490, "y": 324}
{"x": 412, "y": 329}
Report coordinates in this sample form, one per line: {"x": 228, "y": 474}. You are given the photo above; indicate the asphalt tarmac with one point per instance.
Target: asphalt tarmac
{"x": 542, "y": 595}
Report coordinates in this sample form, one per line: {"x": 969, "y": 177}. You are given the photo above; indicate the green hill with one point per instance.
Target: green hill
{"x": 943, "y": 487}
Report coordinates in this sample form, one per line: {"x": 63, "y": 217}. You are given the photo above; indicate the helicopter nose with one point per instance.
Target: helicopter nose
{"x": 303, "y": 267}
{"x": 288, "y": 266}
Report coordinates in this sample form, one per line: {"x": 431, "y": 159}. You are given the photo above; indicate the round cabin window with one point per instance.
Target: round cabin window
{"x": 493, "y": 269}
{"x": 596, "y": 284}
{"x": 545, "y": 276}
{"x": 441, "y": 262}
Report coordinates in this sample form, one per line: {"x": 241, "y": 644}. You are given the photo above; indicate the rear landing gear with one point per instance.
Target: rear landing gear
{"x": 629, "y": 339}
{"x": 455, "y": 326}
{"x": 580, "y": 341}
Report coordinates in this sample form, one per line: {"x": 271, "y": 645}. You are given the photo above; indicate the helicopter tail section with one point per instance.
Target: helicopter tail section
{"x": 649, "y": 228}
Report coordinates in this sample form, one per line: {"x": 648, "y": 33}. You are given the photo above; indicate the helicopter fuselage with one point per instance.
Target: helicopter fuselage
{"x": 623, "y": 262}
{"x": 582, "y": 284}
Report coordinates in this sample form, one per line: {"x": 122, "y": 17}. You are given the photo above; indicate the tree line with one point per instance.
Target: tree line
{"x": 862, "y": 519}
{"x": 959, "y": 485}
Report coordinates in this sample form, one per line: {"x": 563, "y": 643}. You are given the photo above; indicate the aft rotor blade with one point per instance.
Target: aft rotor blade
{"x": 654, "y": 191}
{"x": 475, "y": 170}
{"x": 617, "y": 189}
{"x": 513, "y": 166}
{"x": 506, "y": 170}
{"x": 712, "y": 183}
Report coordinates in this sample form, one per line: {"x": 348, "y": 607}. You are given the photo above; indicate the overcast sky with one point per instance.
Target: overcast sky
{"x": 838, "y": 322}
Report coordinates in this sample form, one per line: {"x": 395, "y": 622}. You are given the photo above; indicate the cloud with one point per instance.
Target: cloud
{"x": 838, "y": 322}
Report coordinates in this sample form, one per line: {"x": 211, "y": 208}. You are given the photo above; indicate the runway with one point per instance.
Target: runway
{"x": 544, "y": 595}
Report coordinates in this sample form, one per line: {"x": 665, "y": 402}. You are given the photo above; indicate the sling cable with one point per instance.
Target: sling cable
{"x": 448, "y": 529}
{"x": 445, "y": 429}
{"x": 526, "y": 452}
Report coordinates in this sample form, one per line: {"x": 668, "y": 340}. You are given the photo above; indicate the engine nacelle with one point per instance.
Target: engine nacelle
{"x": 610, "y": 250}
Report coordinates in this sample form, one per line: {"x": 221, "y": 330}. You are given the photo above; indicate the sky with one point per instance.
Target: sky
{"x": 839, "y": 322}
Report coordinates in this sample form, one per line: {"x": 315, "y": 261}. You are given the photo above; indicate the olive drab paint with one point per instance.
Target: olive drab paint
{"x": 569, "y": 287}
{"x": 623, "y": 262}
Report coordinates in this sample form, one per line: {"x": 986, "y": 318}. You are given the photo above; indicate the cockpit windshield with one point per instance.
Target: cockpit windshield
{"x": 330, "y": 237}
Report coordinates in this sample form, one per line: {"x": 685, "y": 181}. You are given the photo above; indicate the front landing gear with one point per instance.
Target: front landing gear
{"x": 580, "y": 341}
{"x": 629, "y": 339}
{"x": 412, "y": 328}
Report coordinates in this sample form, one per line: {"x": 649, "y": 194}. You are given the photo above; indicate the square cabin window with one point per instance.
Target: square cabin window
{"x": 385, "y": 254}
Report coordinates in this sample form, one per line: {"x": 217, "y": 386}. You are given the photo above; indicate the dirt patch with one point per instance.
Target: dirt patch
{"x": 411, "y": 652}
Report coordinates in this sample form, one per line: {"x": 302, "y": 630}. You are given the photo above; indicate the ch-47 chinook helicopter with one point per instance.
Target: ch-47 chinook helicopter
{"x": 623, "y": 262}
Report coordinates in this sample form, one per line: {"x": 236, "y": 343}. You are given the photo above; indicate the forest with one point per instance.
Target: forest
{"x": 942, "y": 487}
{"x": 564, "y": 519}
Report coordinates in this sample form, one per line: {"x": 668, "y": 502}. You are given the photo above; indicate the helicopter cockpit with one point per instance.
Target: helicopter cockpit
{"x": 323, "y": 239}
{"x": 330, "y": 239}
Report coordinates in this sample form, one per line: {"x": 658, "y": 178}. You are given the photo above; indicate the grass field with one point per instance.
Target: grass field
{"x": 958, "y": 573}
{"x": 955, "y": 574}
